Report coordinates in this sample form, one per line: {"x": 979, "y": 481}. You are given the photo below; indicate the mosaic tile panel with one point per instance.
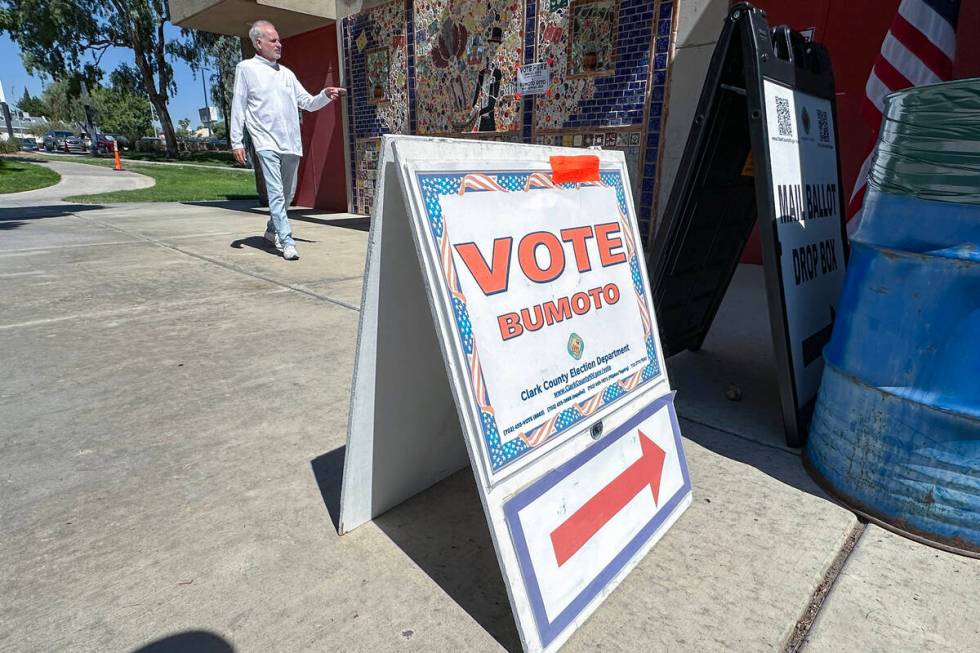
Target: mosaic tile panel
{"x": 378, "y": 108}
{"x": 628, "y": 141}
{"x": 615, "y": 99}
{"x": 437, "y": 45}
{"x": 366, "y": 155}
{"x": 466, "y": 57}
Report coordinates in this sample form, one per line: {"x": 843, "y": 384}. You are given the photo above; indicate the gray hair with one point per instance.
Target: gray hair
{"x": 255, "y": 31}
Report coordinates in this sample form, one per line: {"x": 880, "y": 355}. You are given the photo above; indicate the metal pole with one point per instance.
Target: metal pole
{"x": 204, "y": 85}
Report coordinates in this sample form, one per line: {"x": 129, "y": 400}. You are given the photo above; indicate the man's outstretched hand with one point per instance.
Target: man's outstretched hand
{"x": 334, "y": 92}
{"x": 239, "y": 154}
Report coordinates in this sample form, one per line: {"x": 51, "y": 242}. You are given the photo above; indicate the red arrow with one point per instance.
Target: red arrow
{"x": 578, "y": 529}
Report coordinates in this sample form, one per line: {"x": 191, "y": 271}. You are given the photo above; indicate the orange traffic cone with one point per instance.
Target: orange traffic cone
{"x": 115, "y": 150}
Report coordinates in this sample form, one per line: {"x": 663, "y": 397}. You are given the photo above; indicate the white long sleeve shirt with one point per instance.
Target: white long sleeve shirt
{"x": 265, "y": 101}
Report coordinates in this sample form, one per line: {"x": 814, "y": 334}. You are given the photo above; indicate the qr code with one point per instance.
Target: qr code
{"x": 823, "y": 126}
{"x": 784, "y": 117}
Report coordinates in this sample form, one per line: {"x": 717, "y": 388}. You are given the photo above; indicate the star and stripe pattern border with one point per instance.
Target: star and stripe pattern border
{"x": 435, "y": 185}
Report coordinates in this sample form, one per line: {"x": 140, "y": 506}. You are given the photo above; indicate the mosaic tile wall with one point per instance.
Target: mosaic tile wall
{"x": 366, "y": 154}
{"x": 447, "y": 43}
{"x": 616, "y": 99}
{"x": 629, "y": 141}
{"x": 381, "y": 28}
{"x": 466, "y": 58}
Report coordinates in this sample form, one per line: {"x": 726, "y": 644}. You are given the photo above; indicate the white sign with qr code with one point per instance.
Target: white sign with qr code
{"x": 803, "y": 156}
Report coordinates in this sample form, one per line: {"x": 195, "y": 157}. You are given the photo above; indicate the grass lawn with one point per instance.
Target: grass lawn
{"x": 216, "y": 159}
{"x": 17, "y": 176}
{"x": 221, "y": 159}
{"x": 176, "y": 184}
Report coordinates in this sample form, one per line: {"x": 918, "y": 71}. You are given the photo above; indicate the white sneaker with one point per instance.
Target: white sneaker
{"x": 289, "y": 253}
{"x": 273, "y": 238}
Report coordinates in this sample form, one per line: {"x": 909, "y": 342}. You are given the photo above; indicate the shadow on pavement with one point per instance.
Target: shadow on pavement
{"x": 260, "y": 243}
{"x": 328, "y": 470}
{"x": 358, "y": 223}
{"x": 255, "y": 242}
{"x": 13, "y": 217}
{"x": 776, "y": 462}
{"x": 199, "y": 641}
{"x": 246, "y": 205}
{"x": 443, "y": 530}
{"x": 313, "y": 216}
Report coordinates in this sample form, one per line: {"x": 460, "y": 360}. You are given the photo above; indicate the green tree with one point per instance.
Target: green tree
{"x": 55, "y": 35}
{"x": 121, "y": 111}
{"x": 185, "y": 125}
{"x": 62, "y": 101}
{"x": 226, "y": 52}
{"x": 220, "y": 54}
{"x": 32, "y": 105}
{"x": 126, "y": 78}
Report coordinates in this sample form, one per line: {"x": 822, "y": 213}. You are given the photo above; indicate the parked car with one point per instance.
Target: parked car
{"x": 75, "y": 144}
{"x": 122, "y": 140}
{"x": 28, "y": 144}
{"x": 104, "y": 143}
{"x": 55, "y": 140}
{"x": 149, "y": 144}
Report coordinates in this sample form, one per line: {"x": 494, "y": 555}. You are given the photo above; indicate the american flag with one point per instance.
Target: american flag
{"x": 918, "y": 49}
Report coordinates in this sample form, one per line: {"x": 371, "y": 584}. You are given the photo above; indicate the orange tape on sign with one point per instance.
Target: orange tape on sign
{"x": 574, "y": 169}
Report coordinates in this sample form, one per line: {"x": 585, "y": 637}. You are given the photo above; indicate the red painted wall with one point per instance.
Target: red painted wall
{"x": 322, "y": 180}
{"x": 853, "y": 31}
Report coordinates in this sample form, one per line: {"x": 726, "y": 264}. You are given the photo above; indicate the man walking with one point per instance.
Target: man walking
{"x": 265, "y": 101}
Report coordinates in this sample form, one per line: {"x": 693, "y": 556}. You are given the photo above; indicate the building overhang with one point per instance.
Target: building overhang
{"x": 233, "y": 17}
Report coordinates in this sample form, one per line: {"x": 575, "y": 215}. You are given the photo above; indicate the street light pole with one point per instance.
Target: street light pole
{"x": 204, "y": 85}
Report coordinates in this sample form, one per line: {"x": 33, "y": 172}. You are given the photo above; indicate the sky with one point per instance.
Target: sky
{"x": 189, "y": 97}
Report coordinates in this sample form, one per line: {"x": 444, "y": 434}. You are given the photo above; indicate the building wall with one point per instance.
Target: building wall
{"x": 322, "y": 182}
{"x": 852, "y": 32}
{"x": 448, "y": 67}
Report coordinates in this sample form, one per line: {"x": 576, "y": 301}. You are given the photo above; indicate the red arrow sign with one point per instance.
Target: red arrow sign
{"x": 578, "y": 529}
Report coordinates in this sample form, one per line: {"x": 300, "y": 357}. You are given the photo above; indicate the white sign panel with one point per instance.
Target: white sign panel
{"x": 544, "y": 299}
{"x": 550, "y": 312}
{"x": 576, "y": 528}
{"x": 543, "y": 334}
{"x": 803, "y": 156}
{"x": 208, "y": 114}
{"x": 533, "y": 78}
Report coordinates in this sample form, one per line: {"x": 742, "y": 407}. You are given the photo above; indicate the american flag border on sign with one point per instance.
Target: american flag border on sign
{"x": 432, "y": 186}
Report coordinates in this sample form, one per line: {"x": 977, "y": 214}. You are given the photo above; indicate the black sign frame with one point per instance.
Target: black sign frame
{"x": 723, "y": 186}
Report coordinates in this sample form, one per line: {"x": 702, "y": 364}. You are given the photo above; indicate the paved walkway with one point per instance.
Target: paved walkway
{"x": 76, "y": 179}
{"x": 173, "y": 410}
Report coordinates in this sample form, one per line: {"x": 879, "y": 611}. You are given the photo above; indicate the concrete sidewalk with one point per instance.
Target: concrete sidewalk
{"x": 173, "y": 414}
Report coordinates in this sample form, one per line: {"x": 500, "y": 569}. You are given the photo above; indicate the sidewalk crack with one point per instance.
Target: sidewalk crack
{"x": 813, "y": 608}
{"x": 227, "y": 266}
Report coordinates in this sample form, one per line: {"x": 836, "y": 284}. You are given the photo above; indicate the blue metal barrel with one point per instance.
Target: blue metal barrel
{"x": 896, "y": 428}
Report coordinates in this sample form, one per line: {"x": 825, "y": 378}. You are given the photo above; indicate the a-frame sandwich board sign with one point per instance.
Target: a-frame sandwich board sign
{"x": 507, "y": 322}
{"x": 763, "y": 145}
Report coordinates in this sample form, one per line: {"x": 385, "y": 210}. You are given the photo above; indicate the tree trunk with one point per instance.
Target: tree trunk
{"x": 157, "y": 98}
{"x": 224, "y": 111}
{"x": 248, "y": 51}
{"x": 169, "y": 135}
